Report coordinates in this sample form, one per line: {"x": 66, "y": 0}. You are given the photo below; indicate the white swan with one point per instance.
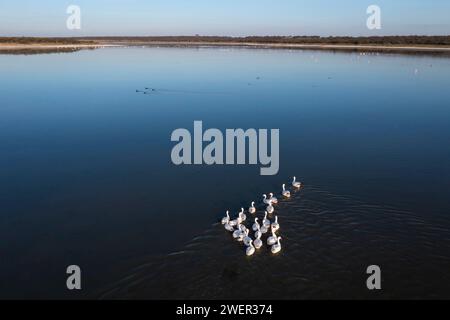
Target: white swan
{"x": 241, "y": 218}
{"x": 258, "y": 243}
{"x": 276, "y": 247}
{"x": 265, "y": 200}
{"x": 252, "y": 208}
{"x": 241, "y": 236}
{"x": 237, "y": 233}
{"x": 250, "y": 249}
{"x": 229, "y": 227}
{"x": 285, "y": 192}
{"x": 236, "y": 222}
{"x": 275, "y": 226}
{"x": 266, "y": 222}
{"x": 255, "y": 226}
{"x": 226, "y": 219}
{"x": 258, "y": 233}
{"x": 296, "y": 184}
{"x": 264, "y": 230}
{"x": 242, "y": 215}
{"x": 273, "y": 199}
{"x": 272, "y": 239}
{"x": 270, "y": 209}
{"x": 247, "y": 239}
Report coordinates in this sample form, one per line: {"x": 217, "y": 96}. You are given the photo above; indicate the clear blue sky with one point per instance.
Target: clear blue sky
{"x": 223, "y": 17}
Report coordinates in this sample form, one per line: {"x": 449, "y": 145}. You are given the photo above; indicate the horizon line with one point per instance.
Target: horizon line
{"x": 231, "y": 36}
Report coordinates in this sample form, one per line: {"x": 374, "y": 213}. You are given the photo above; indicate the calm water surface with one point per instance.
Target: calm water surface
{"x": 86, "y": 176}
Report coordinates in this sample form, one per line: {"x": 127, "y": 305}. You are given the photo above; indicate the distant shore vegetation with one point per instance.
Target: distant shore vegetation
{"x": 44, "y": 41}
{"x": 374, "y": 40}
{"x": 387, "y": 40}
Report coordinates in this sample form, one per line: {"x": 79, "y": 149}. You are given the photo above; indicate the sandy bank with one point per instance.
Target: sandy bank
{"x": 105, "y": 44}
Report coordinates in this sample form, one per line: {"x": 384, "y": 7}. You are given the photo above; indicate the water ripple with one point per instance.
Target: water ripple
{"x": 328, "y": 242}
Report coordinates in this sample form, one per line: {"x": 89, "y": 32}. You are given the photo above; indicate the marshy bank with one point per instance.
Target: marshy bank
{"x": 434, "y": 45}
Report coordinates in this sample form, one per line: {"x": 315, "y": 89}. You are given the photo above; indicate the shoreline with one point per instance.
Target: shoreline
{"x": 38, "y": 46}
{"x": 331, "y": 47}
{"x": 406, "y": 48}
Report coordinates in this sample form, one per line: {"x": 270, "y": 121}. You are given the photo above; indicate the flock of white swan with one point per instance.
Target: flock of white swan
{"x": 242, "y": 234}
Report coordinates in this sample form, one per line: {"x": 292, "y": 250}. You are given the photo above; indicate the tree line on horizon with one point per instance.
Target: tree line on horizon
{"x": 43, "y": 40}
{"x": 379, "y": 40}
{"x": 347, "y": 40}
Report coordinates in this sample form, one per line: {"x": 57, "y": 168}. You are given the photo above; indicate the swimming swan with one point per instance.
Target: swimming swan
{"x": 226, "y": 219}
{"x": 258, "y": 243}
{"x": 264, "y": 230}
{"x": 285, "y": 192}
{"x": 266, "y": 222}
{"x": 250, "y": 249}
{"x": 275, "y": 226}
{"x": 236, "y": 222}
{"x": 252, "y": 208}
{"x": 241, "y": 236}
{"x": 229, "y": 227}
{"x": 272, "y": 239}
{"x": 273, "y": 199}
{"x": 265, "y": 200}
{"x": 270, "y": 209}
{"x": 255, "y": 225}
{"x": 242, "y": 215}
{"x": 237, "y": 233}
{"x": 247, "y": 239}
{"x": 296, "y": 184}
{"x": 258, "y": 233}
{"x": 239, "y": 219}
{"x": 276, "y": 247}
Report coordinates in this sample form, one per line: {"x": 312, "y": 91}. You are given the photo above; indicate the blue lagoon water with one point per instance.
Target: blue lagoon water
{"x": 87, "y": 179}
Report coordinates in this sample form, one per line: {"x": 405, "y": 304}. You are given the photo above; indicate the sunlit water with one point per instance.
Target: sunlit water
{"x": 86, "y": 176}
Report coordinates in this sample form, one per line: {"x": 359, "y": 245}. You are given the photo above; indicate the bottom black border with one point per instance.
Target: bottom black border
{"x": 239, "y": 309}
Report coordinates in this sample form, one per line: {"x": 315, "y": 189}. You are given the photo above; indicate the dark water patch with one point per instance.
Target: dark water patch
{"x": 328, "y": 242}
{"x": 88, "y": 180}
